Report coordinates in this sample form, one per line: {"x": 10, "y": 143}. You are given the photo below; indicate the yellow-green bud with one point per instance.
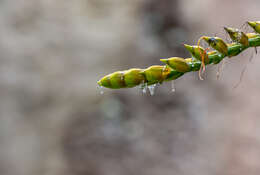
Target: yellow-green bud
{"x": 237, "y": 36}
{"x": 217, "y": 43}
{"x": 197, "y": 52}
{"x": 105, "y": 81}
{"x": 134, "y": 77}
{"x": 114, "y": 80}
{"x": 177, "y": 63}
{"x": 123, "y": 79}
{"x": 255, "y": 25}
{"x": 252, "y": 35}
{"x": 156, "y": 74}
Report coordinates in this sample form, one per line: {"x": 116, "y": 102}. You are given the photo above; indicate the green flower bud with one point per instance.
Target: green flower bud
{"x": 177, "y": 63}
{"x": 123, "y": 79}
{"x": 156, "y": 74}
{"x": 237, "y": 36}
{"x": 255, "y": 25}
{"x": 217, "y": 44}
{"x": 197, "y": 52}
{"x": 134, "y": 77}
{"x": 252, "y": 35}
{"x": 113, "y": 81}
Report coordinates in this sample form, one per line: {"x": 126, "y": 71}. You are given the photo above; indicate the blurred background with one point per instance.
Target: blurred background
{"x": 54, "y": 121}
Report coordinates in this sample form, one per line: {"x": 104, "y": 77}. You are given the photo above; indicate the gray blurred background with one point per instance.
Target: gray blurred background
{"x": 54, "y": 121}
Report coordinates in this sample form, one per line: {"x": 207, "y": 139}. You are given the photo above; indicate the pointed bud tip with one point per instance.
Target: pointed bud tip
{"x": 251, "y": 23}
{"x": 206, "y": 38}
{"x": 99, "y": 83}
{"x": 188, "y": 47}
{"x": 163, "y": 60}
{"x": 228, "y": 29}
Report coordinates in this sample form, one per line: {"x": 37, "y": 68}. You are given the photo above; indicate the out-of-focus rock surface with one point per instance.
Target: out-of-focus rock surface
{"x": 53, "y": 120}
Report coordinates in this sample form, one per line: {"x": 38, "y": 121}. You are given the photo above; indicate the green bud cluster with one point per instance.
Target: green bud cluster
{"x": 176, "y": 66}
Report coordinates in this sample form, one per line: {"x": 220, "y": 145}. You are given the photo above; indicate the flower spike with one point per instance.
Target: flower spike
{"x": 176, "y": 67}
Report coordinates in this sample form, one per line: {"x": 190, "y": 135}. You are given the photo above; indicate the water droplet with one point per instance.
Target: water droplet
{"x": 144, "y": 90}
{"x": 143, "y": 86}
{"x": 220, "y": 55}
{"x": 151, "y": 89}
{"x": 173, "y": 87}
{"x": 101, "y": 89}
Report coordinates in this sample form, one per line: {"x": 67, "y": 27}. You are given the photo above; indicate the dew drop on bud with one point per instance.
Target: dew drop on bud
{"x": 173, "y": 87}
{"x": 144, "y": 90}
{"x": 143, "y": 86}
{"x": 152, "y": 89}
{"x": 101, "y": 89}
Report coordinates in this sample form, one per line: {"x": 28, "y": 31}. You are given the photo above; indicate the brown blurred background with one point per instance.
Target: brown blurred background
{"x": 54, "y": 121}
